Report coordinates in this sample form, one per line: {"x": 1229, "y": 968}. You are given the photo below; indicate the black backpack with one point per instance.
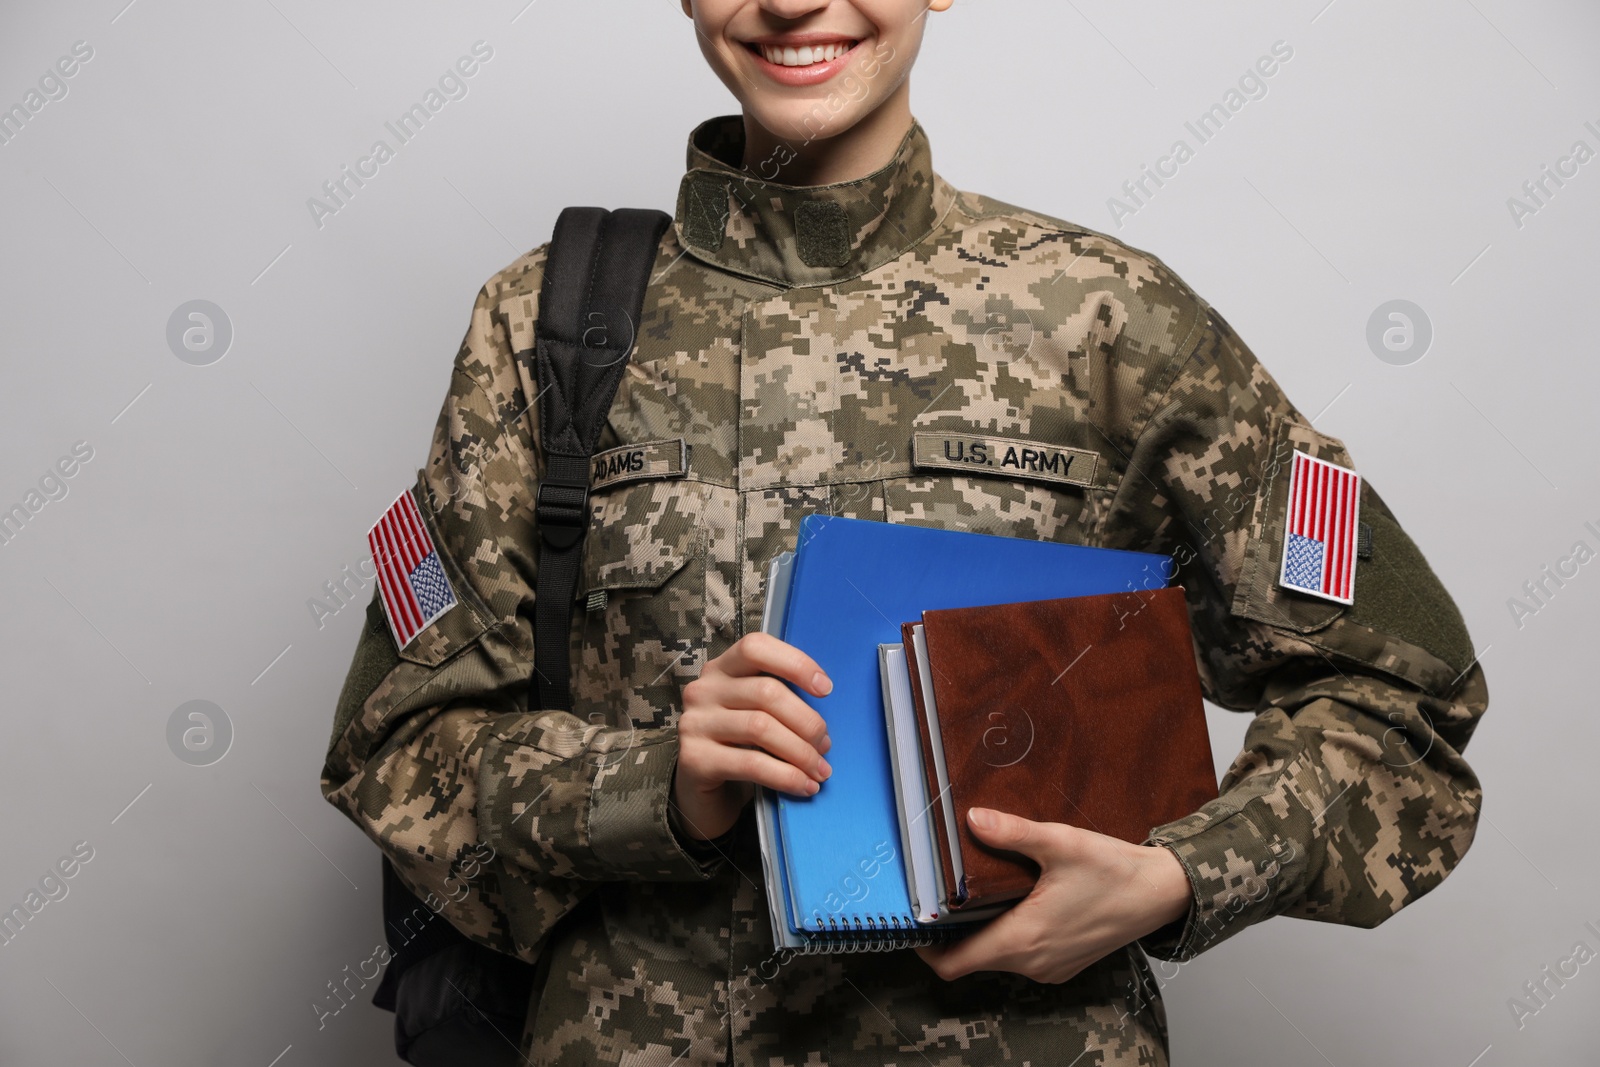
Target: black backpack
{"x": 457, "y": 1002}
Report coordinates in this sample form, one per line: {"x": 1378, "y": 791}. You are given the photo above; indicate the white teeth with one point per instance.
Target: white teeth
{"x": 806, "y": 55}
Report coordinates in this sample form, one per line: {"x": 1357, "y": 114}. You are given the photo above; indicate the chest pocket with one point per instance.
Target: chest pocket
{"x": 639, "y": 620}
{"x": 986, "y": 483}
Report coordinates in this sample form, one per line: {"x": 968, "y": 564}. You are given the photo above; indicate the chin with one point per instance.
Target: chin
{"x": 805, "y": 121}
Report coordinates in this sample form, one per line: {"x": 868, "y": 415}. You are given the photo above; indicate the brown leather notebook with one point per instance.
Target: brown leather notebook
{"x": 1083, "y": 710}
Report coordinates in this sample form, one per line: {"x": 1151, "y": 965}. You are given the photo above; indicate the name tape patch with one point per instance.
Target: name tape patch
{"x": 632, "y": 463}
{"x": 1014, "y": 457}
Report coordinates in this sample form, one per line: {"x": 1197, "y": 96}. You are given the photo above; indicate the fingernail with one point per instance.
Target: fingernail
{"x": 825, "y": 744}
{"x": 823, "y": 770}
{"x": 821, "y": 683}
{"x": 812, "y": 787}
{"x": 982, "y": 818}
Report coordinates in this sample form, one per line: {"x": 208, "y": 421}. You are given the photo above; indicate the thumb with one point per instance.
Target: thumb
{"x": 1042, "y": 842}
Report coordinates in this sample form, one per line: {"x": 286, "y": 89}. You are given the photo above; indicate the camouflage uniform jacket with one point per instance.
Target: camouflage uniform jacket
{"x": 854, "y": 349}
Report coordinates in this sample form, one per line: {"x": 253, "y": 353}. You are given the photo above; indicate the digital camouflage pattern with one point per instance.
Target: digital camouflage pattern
{"x": 795, "y": 339}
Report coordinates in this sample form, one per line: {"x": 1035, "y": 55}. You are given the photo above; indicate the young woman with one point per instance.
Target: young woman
{"x": 825, "y": 316}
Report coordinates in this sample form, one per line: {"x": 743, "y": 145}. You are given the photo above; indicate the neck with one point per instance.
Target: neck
{"x": 854, "y": 153}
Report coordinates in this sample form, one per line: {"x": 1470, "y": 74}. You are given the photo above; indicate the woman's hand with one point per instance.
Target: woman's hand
{"x": 1095, "y": 894}
{"x": 742, "y": 725}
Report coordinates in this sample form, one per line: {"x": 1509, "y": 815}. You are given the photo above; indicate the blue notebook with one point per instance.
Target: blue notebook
{"x": 836, "y": 856}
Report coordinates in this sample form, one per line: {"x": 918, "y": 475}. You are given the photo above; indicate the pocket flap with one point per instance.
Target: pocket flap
{"x": 640, "y": 534}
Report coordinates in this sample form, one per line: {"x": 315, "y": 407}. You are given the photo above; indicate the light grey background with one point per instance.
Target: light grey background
{"x": 222, "y": 899}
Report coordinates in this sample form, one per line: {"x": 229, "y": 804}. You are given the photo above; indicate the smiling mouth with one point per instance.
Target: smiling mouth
{"x": 802, "y": 56}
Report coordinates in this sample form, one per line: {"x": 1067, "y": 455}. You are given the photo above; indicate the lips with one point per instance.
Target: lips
{"x": 803, "y": 56}
{"x": 802, "y": 60}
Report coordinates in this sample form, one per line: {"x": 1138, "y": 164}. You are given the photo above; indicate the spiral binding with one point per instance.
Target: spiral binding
{"x": 869, "y": 933}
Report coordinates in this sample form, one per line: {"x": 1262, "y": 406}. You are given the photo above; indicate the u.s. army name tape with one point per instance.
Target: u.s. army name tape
{"x": 1013, "y": 457}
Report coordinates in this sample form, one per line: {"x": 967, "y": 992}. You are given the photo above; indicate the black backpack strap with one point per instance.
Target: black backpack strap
{"x": 454, "y": 999}
{"x": 589, "y": 308}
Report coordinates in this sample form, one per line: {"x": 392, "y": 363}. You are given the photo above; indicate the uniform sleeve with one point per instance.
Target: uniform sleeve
{"x": 1350, "y": 798}
{"x": 507, "y": 815}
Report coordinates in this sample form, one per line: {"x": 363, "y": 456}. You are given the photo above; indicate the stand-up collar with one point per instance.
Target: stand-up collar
{"x": 802, "y": 235}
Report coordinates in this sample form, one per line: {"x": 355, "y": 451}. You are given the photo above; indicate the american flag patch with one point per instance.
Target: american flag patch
{"x": 1319, "y": 542}
{"x": 411, "y": 580}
